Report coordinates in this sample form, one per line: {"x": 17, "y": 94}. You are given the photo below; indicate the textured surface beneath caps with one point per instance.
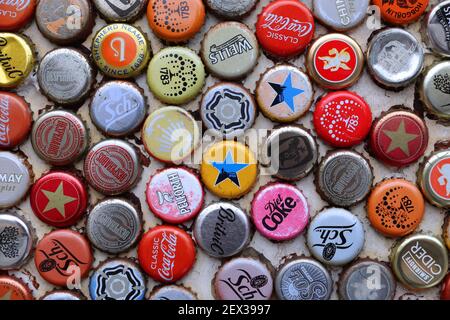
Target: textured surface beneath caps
{"x": 199, "y": 279}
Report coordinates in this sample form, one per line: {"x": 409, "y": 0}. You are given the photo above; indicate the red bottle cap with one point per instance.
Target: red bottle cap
{"x": 15, "y": 120}
{"x": 342, "y": 119}
{"x": 445, "y": 291}
{"x": 14, "y": 289}
{"x": 16, "y": 14}
{"x": 399, "y": 138}
{"x": 62, "y": 256}
{"x": 59, "y": 199}
{"x": 166, "y": 253}
{"x": 285, "y": 28}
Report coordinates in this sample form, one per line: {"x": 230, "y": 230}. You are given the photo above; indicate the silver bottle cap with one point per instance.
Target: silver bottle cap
{"x": 15, "y": 179}
{"x": 120, "y": 10}
{"x": 172, "y": 292}
{"x": 435, "y": 91}
{"x": 222, "y": 230}
{"x": 438, "y": 28}
{"x": 231, "y": 9}
{"x": 341, "y": 15}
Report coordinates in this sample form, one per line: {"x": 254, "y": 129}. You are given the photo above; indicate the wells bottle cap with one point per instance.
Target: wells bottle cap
{"x": 230, "y": 50}
{"x": 401, "y": 12}
{"x": 341, "y": 15}
{"x": 15, "y": 120}
{"x": 119, "y": 10}
{"x": 229, "y": 169}
{"x": 16, "y": 14}
{"x": 166, "y": 253}
{"x": 420, "y": 261}
{"x": 172, "y": 292}
{"x": 59, "y": 199}
{"x": 121, "y": 50}
{"x": 285, "y": 28}
{"x": 395, "y": 207}
{"x": 18, "y": 178}
{"x": 231, "y": 9}
{"x": 335, "y": 61}
{"x": 176, "y": 75}
{"x": 435, "y": 90}
{"x": 254, "y": 273}
{"x": 176, "y": 21}
{"x": 222, "y": 230}
{"x": 16, "y": 59}
{"x": 438, "y": 28}
{"x": 12, "y": 288}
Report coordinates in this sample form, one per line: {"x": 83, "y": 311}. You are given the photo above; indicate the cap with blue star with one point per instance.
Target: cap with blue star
{"x": 285, "y": 93}
{"x": 228, "y": 169}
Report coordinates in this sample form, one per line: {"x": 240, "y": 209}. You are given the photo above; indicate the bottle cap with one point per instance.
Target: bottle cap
{"x": 285, "y": 28}
{"x": 401, "y": 12}
{"x": 341, "y": 15}
{"x": 445, "y": 291}
{"x": 114, "y": 225}
{"x": 395, "y": 58}
{"x": 228, "y": 109}
{"x": 66, "y": 76}
{"x": 231, "y": 9}
{"x": 16, "y": 14}
{"x": 438, "y": 28}
{"x": 335, "y": 61}
{"x": 230, "y": 50}
{"x": 175, "y": 195}
{"x": 117, "y": 279}
{"x": 420, "y": 261}
{"x": 17, "y": 240}
{"x": 284, "y": 93}
{"x": 118, "y": 108}
{"x": 65, "y": 21}
{"x": 342, "y": 119}
{"x": 176, "y": 21}
{"x": 344, "y": 178}
{"x": 335, "y": 236}
{"x": 59, "y": 199}
{"x": 229, "y": 169}
{"x": 170, "y": 134}
{"x": 399, "y": 138}
{"x": 172, "y": 292}
{"x": 222, "y": 230}
{"x": 63, "y": 295}
{"x": 59, "y": 137}
{"x": 367, "y": 279}
{"x": 166, "y": 253}
{"x": 119, "y": 10}
{"x": 12, "y": 288}
{"x": 435, "y": 90}
{"x": 121, "y": 50}
{"x": 15, "y": 120}
{"x": 61, "y": 253}
{"x": 16, "y": 177}
{"x": 395, "y": 207}
{"x": 16, "y": 58}
{"x": 243, "y": 279}
{"x": 291, "y": 153}
{"x": 112, "y": 167}
{"x": 176, "y": 75}
{"x": 303, "y": 279}
{"x": 280, "y": 211}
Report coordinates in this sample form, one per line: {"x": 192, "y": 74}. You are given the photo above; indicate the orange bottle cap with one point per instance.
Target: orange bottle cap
{"x": 401, "y": 11}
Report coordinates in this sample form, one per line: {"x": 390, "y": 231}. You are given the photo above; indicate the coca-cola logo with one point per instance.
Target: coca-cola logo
{"x": 168, "y": 249}
{"x": 4, "y": 121}
{"x": 20, "y": 5}
{"x": 279, "y": 23}
{"x": 279, "y": 209}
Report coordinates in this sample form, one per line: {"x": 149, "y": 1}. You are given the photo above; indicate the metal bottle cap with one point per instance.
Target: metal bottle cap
{"x": 119, "y": 10}
{"x": 344, "y": 178}
{"x": 291, "y": 152}
{"x": 438, "y": 28}
{"x": 59, "y": 137}
{"x": 228, "y": 109}
{"x": 118, "y": 108}
{"x": 15, "y": 179}
{"x": 231, "y": 9}
{"x": 117, "y": 279}
{"x": 435, "y": 91}
{"x": 16, "y": 239}
{"x": 341, "y": 15}
{"x": 420, "y": 261}
{"x": 367, "y": 279}
{"x": 66, "y": 76}
{"x": 16, "y": 119}
{"x": 114, "y": 225}
{"x": 62, "y": 295}
{"x": 395, "y": 58}
{"x": 222, "y": 230}
{"x": 172, "y": 292}
{"x": 12, "y": 288}
{"x": 446, "y": 231}
{"x": 303, "y": 279}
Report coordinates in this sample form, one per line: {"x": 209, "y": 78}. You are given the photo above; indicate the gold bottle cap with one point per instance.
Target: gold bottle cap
{"x": 420, "y": 261}
{"x": 16, "y": 59}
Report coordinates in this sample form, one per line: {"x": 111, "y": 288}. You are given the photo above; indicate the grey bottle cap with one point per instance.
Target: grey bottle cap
{"x": 303, "y": 279}
{"x": 118, "y": 108}
{"x": 344, "y": 178}
{"x": 16, "y": 241}
{"x": 231, "y": 9}
{"x": 291, "y": 152}
{"x": 395, "y": 58}
{"x": 438, "y": 28}
{"x": 15, "y": 179}
{"x": 228, "y": 109}
{"x": 65, "y": 76}
{"x": 120, "y": 10}
{"x": 340, "y": 15}
{"x": 367, "y": 280}
{"x": 62, "y": 295}
{"x": 222, "y": 230}
{"x": 436, "y": 90}
{"x": 172, "y": 292}
{"x": 114, "y": 225}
